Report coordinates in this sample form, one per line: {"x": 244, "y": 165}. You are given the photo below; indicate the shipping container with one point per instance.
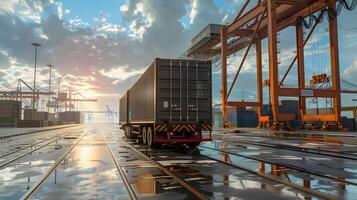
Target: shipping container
{"x": 123, "y": 108}
{"x": 31, "y": 123}
{"x": 71, "y": 117}
{"x": 10, "y": 113}
{"x": 231, "y": 117}
{"x": 42, "y": 116}
{"x": 171, "y": 102}
{"x": 30, "y": 114}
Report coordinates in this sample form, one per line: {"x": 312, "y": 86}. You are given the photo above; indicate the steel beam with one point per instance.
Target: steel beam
{"x": 25, "y": 93}
{"x": 273, "y": 58}
{"x": 224, "y": 74}
{"x": 241, "y": 104}
{"x": 242, "y": 10}
{"x": 335, "y": 65}
{"x": 258, "y": 54}
{"x": 301, "y": 64}
{"x": 252, "y": 14}
{"x": 320, "y": 117}
{"x": 296, "y": 92}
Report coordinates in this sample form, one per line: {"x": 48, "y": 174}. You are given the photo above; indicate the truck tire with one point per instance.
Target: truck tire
{"x": 126, "y": 131}
{"x": 129, "y": 133}
{"x": 144, "y": 140}
{"x": 194, "y": 144}
{"x": 150, "y": 137}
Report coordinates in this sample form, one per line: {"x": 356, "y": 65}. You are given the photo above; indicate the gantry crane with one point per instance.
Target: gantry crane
{"x": 20, "y": 90}
{"x": 265, "y": 20}
{"x": 69, "y": 101}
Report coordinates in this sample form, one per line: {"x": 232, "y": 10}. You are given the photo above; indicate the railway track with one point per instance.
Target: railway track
{"x": 180, "y": 181}
{"x": 328, "y": 139}
{"x": 5, "y": 138}
{"x": 310, "y": 150}
{"x": 273, "y": 178}
{"x": 34, "y": 144}
{"x": 48, "y": 142}
{"x": 266, "y": 176}
{"x": 31, "y": 191}
{"x": 284, "y": 166}
{"x": 126, "y": 182}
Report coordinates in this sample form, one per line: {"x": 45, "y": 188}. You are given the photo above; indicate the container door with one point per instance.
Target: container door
{"x": 199, "y": 91}
{"x": 184, "y": 91}
{"x": 170, "y": 91}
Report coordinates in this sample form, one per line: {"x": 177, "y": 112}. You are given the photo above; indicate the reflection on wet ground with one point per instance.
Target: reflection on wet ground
{"x": 334, "y": 146}
{"x": 340, "y": 169}
{"x": 148, "y": 181}
{"x": 15, "y": 143}
{"x": 89, "y": 172}
{"x": 215, "y": 180}
{"x": 19, "y": 176}
{"x": 219, "y": 181}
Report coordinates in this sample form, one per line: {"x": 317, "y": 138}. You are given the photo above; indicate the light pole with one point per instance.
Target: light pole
{"x": 36, "y": 45}
{"x": 49, "y": 87}
{"x": 58, "y": 92}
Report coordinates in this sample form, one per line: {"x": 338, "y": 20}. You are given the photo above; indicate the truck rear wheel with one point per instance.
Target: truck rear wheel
{"x": 194, "y": 144}
{"x": 144, "y": 140}
{"x": 125, "y": 131}
{"x": 149, "y": 137}
{"x": 129, "y": 133}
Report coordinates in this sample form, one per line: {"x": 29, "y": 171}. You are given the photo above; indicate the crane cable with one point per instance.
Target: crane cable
{"x": 329, "y": 13}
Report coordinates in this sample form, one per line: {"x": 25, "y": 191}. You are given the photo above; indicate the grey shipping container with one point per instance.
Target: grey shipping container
{"x": 30, "y": 114}
{"x": 170, "y": 93}
{"x": 71, "y": 117}
{"x": 10, "y": 113}
{"x": 123, "y": 103}
{"x": 42, "y": 116}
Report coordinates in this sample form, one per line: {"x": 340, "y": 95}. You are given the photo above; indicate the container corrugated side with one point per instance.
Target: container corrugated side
{"x": 142, "y": 98}
{"x": 123, "y": 109}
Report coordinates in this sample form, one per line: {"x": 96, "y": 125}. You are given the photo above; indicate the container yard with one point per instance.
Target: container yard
{"x": 253, "y": 99}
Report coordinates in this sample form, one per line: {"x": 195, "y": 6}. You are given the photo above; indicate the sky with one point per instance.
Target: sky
{"x": 100, "y": 48}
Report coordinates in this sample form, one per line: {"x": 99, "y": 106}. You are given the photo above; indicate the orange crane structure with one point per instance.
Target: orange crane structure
{"x": 265, "y": 20}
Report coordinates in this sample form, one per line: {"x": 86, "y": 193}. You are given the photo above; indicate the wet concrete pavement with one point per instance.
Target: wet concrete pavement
{"x": 215, "y": 180}
{"x": 10, "y": 132}
{"x": 89, "y": 171}
{"x": 20, "y": 175}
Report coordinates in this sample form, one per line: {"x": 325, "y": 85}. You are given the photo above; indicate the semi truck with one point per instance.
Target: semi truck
{"x": 170, "y": 103}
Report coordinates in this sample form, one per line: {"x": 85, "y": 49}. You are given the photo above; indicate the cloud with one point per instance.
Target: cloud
{"x": 350, "y": 73}
{"x": 121, "y": 73}
{"x": 101, "y": 18}
{"x": 194, "y": 11}
{"x": 142, "y": 19}
{"x": 26, "y": 10}
{"x": 59, "y": 10}
{"x": 39, "y": 33}
{"x": 146, "y": 29}
{"x": 110, "y": 28}
{"x": 124, "y": 8}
